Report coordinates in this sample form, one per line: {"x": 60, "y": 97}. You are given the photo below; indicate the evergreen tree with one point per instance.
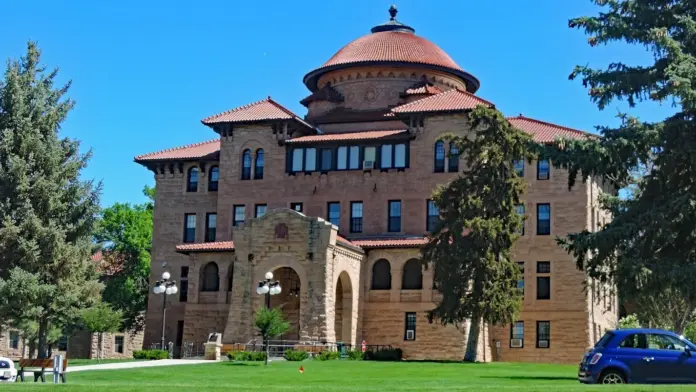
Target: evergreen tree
{"x": 479, "y": 223}
{"x": 649, "y": 248}
{"x": 47, "y": 213}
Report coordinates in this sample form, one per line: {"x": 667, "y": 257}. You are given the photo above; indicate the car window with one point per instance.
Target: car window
{"x": 4, "y": 365}
{"x": 637, "y": 340}
{"x": 664, "y": 342}
{"x": 604, "y": 340}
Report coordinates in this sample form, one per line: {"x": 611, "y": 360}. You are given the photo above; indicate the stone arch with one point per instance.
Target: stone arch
{"x": 412, "y": 277}
{"x": 343, "y": 314}
{"x": 381, "y": 275}
{"x": 210, "y": 277}
{"x": 288, "y": 301}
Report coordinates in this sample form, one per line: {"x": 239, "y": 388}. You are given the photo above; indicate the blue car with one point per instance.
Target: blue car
{"x": 650, "y": 356}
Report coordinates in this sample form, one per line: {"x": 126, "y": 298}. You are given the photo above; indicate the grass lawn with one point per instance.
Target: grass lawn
{"x": 336, "y": 376}
{"x": 80, "y": 362}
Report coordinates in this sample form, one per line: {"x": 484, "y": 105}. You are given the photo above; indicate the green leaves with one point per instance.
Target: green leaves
{"x": 102, "y": 318}
{"x": 270, "y": 323}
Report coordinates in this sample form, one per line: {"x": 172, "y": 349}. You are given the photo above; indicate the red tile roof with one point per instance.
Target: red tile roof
{"x": 263, "y": 110}
{"x": 424, "y": 89}
{"x": 379, "y": 243}
{"x": 543, "y": 132}
{"x": 221, "y": 246}
{"x": 335, "y": 137}
{"x": 448, "y": 101}
{"x": 191, "y": 151}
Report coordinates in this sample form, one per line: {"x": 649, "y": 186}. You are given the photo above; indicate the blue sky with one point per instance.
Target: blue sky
{"x": 145, "y": 72}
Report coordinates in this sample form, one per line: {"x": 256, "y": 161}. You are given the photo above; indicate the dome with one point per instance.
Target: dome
{"x": 392, "y": 43}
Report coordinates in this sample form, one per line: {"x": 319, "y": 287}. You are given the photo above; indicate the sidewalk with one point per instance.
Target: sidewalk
{"x": 137, "y": 364}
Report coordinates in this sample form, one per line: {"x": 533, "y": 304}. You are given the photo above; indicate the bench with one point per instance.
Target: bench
{"x": 40, "y": 367}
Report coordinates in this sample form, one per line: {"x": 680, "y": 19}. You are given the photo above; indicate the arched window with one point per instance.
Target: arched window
{"x": 213, "y": 177}
{"x": 258, "y": 165}
{"x": 381, "y": 275}
{"x": 412, "y": 279}
{"x": 192, "y": 180}
{"x": 211, "y": 277}
{"x": 453, "y": 165}
{"x": 440, "y": 157}
{"x": 246, "y": 165}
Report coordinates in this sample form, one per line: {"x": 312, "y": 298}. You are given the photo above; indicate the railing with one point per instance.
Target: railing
{"x": 192, "y": 349}
{"x": 277, "y": 348}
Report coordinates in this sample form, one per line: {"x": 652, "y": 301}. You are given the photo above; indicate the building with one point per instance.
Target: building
{"x": 335, "y": 204}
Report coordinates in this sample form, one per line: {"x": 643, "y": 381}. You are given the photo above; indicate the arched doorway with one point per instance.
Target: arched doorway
{"x": 343, "y": 323}
{"x": 288, "y": 301}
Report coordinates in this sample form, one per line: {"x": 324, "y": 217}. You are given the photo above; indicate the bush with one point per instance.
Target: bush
{"x": 247, "y": 356}
{"x": 389, "y": 354}
{"x": 356, "y": 355}
{"x": 690, "y": 332}
{"x": 150, "y": 354}
{"x": 629, "y": 322}
{"x": 328, "y": 355}
{"x": 295, "y": 355}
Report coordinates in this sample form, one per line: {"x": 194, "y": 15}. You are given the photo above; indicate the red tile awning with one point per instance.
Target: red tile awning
{"x": 382, "y": 243}
{"x": 347, "y": 136}
{"x": 449, "y": 101}
{"x": 220, "y": 246}
{"x": 191, "y": 151}
{"x": 544, "y": 132}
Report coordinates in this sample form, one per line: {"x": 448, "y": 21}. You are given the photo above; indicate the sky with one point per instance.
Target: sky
{"x": 144, "y": 73}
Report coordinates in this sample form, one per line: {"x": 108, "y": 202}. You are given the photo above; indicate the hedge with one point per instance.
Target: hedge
{"x": 150, "y": 354}
{"x": 328, "y": 355}
{"x": 295, "y": 355}
{"x": 247, "y": 356}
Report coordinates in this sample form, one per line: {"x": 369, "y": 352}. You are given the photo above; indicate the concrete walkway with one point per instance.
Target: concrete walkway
{"x": 136, "y": 364}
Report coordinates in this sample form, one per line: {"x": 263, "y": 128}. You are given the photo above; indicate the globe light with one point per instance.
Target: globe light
{"x": 272, "y": 290}
{"x": 269, "y": 275}
{"x": 265, "y": 289}
{"x": 174, "y": 290}
{"x": 166, "y": 275}
{"x": 276, "y": 290}
{"x": 168, "y": 290}
{"x": 162, "y": 288}
{"x": 259, "y": 290}
{"x": 156, "y": 290}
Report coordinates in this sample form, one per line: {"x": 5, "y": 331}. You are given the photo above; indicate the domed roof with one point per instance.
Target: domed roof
{"x": 392, "y": 43}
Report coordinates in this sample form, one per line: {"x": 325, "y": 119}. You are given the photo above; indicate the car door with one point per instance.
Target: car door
{"x": 633, "y": 352}
{"x": 665, "y": 359}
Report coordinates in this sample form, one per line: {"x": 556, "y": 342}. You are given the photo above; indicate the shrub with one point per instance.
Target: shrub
{"x": 150, "y": 354}
{"x": 295, "y": 355}
{"x": 356, "y": 355}
{"x": 690, "y": 332}
{"x": 328, "y": 355}
{"x": 629, "y": 322}
{"x": 246, "y": 356}
{"x": 389, "y": 354}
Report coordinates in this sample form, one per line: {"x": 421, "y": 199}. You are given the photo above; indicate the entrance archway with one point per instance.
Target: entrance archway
{"x": 343, "y": 324}
{"x": 288, "y": 301}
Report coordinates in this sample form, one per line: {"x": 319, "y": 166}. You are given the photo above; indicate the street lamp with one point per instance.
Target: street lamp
{"x": 268, "y": 287}
{"x": 166, "y": 287}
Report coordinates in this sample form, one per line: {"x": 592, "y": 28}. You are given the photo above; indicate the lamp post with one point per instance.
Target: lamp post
{"x": 268, "y": 287}
{"x": 165, "y": 287}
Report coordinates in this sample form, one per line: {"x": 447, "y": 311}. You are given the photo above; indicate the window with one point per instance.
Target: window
{"x": 520, "y": 281}
{"x": 334, "y": 209}
{"x": 543, "y": 334}
{"x": 410, "y": 326}
{"x": 453, "y": 163}
{"x": 259, "y": 210}
{"x": 213, "y": 178}
{"x": 118, "y": 344}
{"x": 520, "y": 211}
{"x": 381, "y": 275}
{"x": 310, "y": 159}
{"x": 400, "y": 156}
{"x": 297, "y": 159}
{"x": 412, "y": 277}
{"x": 543, "y": 287}
{"x": 519, "y": 167}
{"x": 258, "y": 165}
{"x": 440, "y": 157}
{"x": 14, "y": 340}
{"x": 386, "y": 156}
{"x": 211, "y": 277}
{"x": 433, "y": 217}
{"x": 394, "y": 216}
{"x": 190, "y": 228}
{"x": 543, "y": 169}
{"x": 354, "y": 159}
{"x": 246, "y": 165}
{"x": 210, "y": 226}
{"x": 183, "y": 281}
{"x": 296, "y": 206}
{"x": 342, "y": 158}
{"x": 356, "y": 217}
{"x": 326, "y": 159}
{"x": 239, "y": 215}
{"x": 517, "y": 334}
{"x": 370, "y": 154}
{"x": 543, "y": 267}
{"x": 192, "y": 180}
{"x": 543, "y": 219}
{"x": 63, "y": 343}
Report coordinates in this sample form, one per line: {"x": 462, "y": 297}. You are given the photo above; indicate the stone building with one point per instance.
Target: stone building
{"x": 335, "y": 204}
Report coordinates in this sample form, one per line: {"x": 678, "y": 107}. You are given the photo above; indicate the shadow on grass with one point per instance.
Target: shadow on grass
{"x": 534, "y": 378}
{"x": 439, "y": 361}
{"x": 230, "y": 363}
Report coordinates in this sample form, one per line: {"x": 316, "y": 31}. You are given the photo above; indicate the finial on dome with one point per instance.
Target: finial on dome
{"x": 393, "y": 11}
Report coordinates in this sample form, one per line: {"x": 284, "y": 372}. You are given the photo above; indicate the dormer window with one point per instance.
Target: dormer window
{"x": 192, "y": 180}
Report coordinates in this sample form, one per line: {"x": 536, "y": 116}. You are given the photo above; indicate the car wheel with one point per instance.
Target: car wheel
{"x": 612, "y": 377}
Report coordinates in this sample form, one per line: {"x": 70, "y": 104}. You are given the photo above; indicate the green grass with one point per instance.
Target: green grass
{"x": 336, "y": 376}
{"x": 81, "y": 362}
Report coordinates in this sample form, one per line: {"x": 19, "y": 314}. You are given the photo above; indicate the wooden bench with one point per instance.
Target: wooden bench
{"x": 40, "y": 367}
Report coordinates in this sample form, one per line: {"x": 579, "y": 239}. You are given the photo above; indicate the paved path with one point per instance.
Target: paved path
{"x": 136, "y": 364}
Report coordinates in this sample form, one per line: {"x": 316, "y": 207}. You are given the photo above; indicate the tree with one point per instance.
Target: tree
{"x": 100, "y": 319}
{"x": 47, "y": 213}
{"x": 270, "y": 323}
{"x": 479, "y": 223}
{"x": 628, "y": 322}
{"x": 649, "y": 248}
{"x": 125, "y": 231}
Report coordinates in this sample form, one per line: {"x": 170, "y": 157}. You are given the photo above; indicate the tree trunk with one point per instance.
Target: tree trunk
{"x": 32, "y": 349}
{"x": 472, "y": 341}
{"x": 43, "y": 335}
{"x": 265, "y": 339}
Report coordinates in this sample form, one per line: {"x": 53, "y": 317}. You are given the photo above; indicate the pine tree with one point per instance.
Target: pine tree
{"x": 47, "y": 213}
{"x": 649, "y": 248}
{"x": 479, "y": 223}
